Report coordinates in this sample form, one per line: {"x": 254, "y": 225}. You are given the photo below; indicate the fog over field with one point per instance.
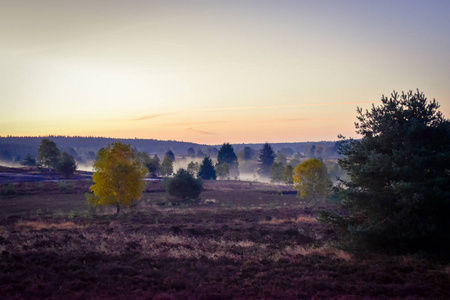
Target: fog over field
{"x": 243, "y": 149}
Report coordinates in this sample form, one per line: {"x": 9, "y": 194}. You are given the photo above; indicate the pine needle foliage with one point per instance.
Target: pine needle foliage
{"x": 398, "y": 194}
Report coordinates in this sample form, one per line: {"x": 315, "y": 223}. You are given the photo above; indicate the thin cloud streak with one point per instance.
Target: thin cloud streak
{"x": 283, "y": 106}
{"x": 201, "y": 123}
{"x": 287, "y": 120}
{"x": 200, "y": 131}
{"x": 148, "y": 117}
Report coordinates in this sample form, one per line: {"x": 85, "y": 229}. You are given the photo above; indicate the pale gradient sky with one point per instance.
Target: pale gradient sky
{"x": 214, "y": 71}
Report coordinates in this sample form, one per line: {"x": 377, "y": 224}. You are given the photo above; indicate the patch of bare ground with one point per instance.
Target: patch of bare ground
{"x": 242, "y": 240}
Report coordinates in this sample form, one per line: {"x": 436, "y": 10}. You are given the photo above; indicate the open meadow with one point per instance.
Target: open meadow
{"x": 242, "y": 240}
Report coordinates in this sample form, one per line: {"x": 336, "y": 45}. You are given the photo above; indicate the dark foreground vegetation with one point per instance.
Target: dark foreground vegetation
{"x": 242, "y": 240}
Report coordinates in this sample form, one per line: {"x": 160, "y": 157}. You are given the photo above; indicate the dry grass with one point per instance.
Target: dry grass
{"x": 38, "y": 225}
{"x": 301, "y": 219}
{"x": 200, "y": 250}
{"x": 324, "y": 251}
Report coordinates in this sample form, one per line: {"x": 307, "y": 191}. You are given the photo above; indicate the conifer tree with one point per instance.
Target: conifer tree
{"x": 398, "y": 194}
{"x": 227, "y": 155}
{"x": 266, "y": 159}
{"x": 166, "y": 167}
{"x": 207, "y": 170}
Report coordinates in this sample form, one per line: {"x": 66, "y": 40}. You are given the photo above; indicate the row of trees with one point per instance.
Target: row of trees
{"x": 118, "y": 178}
{"x": 397, "y": 195}
{"x": 50, "y": 158}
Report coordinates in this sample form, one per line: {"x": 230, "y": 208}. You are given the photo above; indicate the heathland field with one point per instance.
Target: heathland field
{"x": 242, "y": 240}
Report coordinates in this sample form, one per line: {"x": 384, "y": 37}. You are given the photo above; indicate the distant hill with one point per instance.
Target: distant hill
{"x": 84, "y": 149}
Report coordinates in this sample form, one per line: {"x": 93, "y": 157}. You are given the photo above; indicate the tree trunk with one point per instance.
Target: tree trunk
{"x": 118, "y": 209}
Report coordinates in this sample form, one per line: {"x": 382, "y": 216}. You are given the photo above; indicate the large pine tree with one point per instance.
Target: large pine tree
{"x": 398, "y": 195}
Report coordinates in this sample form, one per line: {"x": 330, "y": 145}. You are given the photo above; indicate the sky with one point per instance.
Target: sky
{"x": 214, "y": 71}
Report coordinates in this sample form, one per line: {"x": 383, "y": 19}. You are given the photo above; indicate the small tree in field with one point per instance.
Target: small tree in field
{"x": 398, "y": 195}
{"x": 193, "y": 168}
{"x": 171, "y": 154}
{"x": 207, "y": 170}
{"x": 266, "y": 159}
{"x": 67, "y": 164}
{"x": 311, "y": 179}
{"x": 48, "y": 154}
{"x": 118, "y": 177}
{"x": 166, "y": 167}
{"x": 184, "y": 186}
{"x": 227, "y": 155}
{"x": 277, "y": 171}
{"x": 153, "y": 166}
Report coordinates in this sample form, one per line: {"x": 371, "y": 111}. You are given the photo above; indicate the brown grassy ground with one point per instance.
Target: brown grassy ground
{"x": 242, "y": 240}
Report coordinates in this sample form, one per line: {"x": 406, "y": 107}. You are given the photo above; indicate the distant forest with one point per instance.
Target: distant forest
{"x": 84, "y": 149}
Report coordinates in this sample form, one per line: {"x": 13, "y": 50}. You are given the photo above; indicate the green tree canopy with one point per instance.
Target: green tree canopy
{"x": 398, "y": 194}
{"x": 171, "y": 154}
{"x": 227, "y": 155}
{"x": 67, "y": 164}
{"x": 184, "y": 186}
{"x": 117, "y": 176}
{"x": 28, "y": 161}
{"x": 143, "y": 158}
{"x": 277, "y": 172}
{"x": 247, "y": 153}
{"x": 311, "y": 179}
{"x": 166, "y": 167}
{"x": 266, "y": 159}
{"x": 48, "y": 154}
{"x": 153, "y": 166}
{"x": 193, "y": 168}
{"x": 281, "y": 158}
{"x": 207, "y": 170}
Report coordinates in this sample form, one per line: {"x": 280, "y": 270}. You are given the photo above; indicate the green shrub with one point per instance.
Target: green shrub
{"x": 184, "y": 186}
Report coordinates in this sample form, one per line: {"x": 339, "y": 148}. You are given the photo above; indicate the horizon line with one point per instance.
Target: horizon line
{"x": 178, "y": 141}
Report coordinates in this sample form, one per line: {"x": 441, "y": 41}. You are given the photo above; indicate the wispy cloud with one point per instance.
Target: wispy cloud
{"x": 148, "y": 117}
{"x": 202, "y": 123}
{"x": 287, "y": 120}
{"x": 200, "y": 131}
{"x": 284, "y": 106}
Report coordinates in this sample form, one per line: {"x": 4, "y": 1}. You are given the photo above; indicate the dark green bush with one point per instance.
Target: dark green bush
{"x": 184, "y": 186}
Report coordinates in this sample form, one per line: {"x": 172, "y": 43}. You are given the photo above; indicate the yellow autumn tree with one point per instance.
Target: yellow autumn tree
{"x": 311, "y": 179}
{"x": 117, "y": 177}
